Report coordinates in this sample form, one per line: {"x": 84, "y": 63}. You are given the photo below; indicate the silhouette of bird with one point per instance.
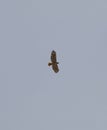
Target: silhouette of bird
{"x": 54, "y": 62}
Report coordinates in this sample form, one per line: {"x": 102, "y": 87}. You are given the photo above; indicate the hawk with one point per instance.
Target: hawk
{"x": 54, "y": 62}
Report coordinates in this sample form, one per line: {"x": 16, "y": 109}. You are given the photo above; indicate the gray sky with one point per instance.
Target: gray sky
{"x": 32, "y": 96}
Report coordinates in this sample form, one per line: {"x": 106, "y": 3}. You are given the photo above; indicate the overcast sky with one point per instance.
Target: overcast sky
{"x": 32, "y": 96}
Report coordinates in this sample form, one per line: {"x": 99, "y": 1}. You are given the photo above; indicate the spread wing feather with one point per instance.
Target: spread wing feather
{"x": 55, "y": 67}
{"x": 53, "y": 56}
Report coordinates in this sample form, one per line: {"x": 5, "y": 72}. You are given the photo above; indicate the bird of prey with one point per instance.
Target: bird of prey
{"x": 54, "y": 62}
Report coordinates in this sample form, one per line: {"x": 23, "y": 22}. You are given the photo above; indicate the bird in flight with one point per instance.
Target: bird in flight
{"x": 54, "y": 62}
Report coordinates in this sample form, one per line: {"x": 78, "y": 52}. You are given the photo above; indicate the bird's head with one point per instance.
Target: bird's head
{"x": 49, "y": 64}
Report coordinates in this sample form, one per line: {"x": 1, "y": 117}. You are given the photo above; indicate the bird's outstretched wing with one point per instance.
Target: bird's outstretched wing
{"x": 55, "y": 67}
{"x": 53, "y": 56}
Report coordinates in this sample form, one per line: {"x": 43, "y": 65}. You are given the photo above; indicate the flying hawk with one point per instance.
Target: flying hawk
{"x": 54, "y": 62}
